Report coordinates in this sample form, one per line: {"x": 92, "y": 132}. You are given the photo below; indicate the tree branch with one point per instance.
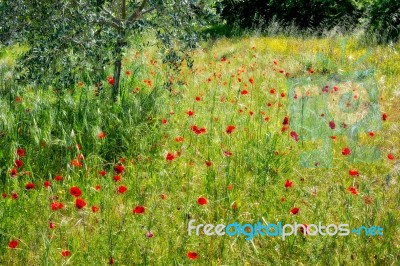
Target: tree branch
{"x": 135, "y": 15}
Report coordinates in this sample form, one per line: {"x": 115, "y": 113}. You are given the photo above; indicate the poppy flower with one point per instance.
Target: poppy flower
{"x": 251, "y": 80}
{"x": 4, "y": 195}
{"x": 272, "y": 91}
{"x": 230, "y": 129}
{"x": 97, "y": 187}
{"x": 18, "y": 163}
{"x": 163, "y": 196}
{"x": 294, "y": 211}
{"x": 138, "y": 210}
{"x": 149, "y": 234}
{"x": 128, "y": 73}
{"x": 190, "y": 113}
{"x": 208, "y": 163}
{"x": 80, "y": 203}
{"x": 303, "y": 229}
{"x": 46, "y": 184}
{"x": 122, "y": 189}
{"x": 65, "y": 253}
{"x": 285, "y": 121}
{"x": 111, "y": 80}
{"x": 52, "y": 225}
{"x": 95, "y": 209}
{"x": 198, "y": 130}
{"x": 230, "y": 187}
{"x": 14, "y": 196}
{"x": 102, "y": 173}
{"x": 20, "y": 152}
{"x": 76, "y": 163}
{"x": 101, "y": 135}
{"x": 244, "y": 92}
{"x": 384, "y": 116}
{"x": 179, "y": 139}
{"x": 294, "y": 135}
{"x": 198, "y": 98}
{"x": 170, "y": 156}
{"x": 283, "y": 95}
{"x": 164, "y": 121}
{"x": 119, "y": 169}
{"x": 353, "y": 172}
{"x": 13, "y": 172}
{"x": 75, "y": 191}
{"x": 346, "y": 151}
{"x": 332, "y": 125}
{"x": 353, "y": 190}
{"x": 288, "y": 183}
{"x": 202, "y": 201}
{"x": 391, "y": 156}
{"x": 29, "y": 186}
{"x": 371, "y": 134}
{"x": 227, "y": 153}
{"x": 192, "y": 255}
{"x": 56, "y": 205}
{"x": 117, "y": 178}
{"x": 58, "y": 178}
{"x": 13, "y": 244}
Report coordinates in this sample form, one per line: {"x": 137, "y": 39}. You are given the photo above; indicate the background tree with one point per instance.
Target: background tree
{"x": 67, "y": 37}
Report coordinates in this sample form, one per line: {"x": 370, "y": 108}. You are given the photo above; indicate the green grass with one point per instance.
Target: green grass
{"x": 49, "y": 127}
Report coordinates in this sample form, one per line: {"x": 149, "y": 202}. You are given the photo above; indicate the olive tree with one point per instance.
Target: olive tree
{"x": 66, "y": 37}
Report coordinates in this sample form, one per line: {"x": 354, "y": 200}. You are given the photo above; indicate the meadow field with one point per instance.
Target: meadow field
{"x": 251, "y": 133}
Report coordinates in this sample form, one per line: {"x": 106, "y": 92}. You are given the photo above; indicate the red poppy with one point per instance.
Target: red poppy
{"x": 294, "y": 135}
{"x": 346, "y": 151}
{"x": 58, "y": 178}
{"x": 117, "y": 178}
{"x": 285, "y": 121}
{"x": 384, "y": 116}
{"x": 353, "y": 190}
{"x": 304, "y": 229}
{"x": 283, "y": 95}
{"x": 101, "y": 135}
{"x": 21, "y": 152}
{"x": 97, "y": 187}
{"x": 294, "y": 211}
{"x": 128, "y": 73}
{"x": 332, "y": 125}
{"x": 46, "y": 184}
{"x": 198, "y": 98}
{"x": 4, "y": 195}
{"x": 80, "y": 203}
{"x": 371, "y": 134}
{"x": 353, "y": 172}
{"x": 179, "y": 139}
{"x": 65, "y": 253}
{"x": 18, "y": 163}
{"x": 13, "y": 172}
{"x": 251, "y": 80}
{"x": 208, "y": 163}
{"x": 102, "y": 173}
{"x": 272, "y": 91}
{"x": 14, "y": 196}
{"x": 288, "y": 183}
{"x": 56, "y": 205}
{"x": 52, "y": 225}
{"x": 192, "y": 255}
{"x": 76, "y": 163}
{"x": 282, "y": 199}
{"x": 170, "y": 156}
{"x": 95, "y": 209}
{"x": 230, "y": 129}
{"x": 111, "y": 80}
{"x": 13, "y": 244}
{"x": 29, "y": 186}
{"x": 391, "y": 156}
{"x": 244, "y": 92}
{"x": 138, "y": 210}
{"x": 163, "y": 196}
{"x": 190, "y": 113}
{"x": 75, "y": 191}
{"x": 119, "y": 169}
{"x": 227, "y": 153}
{"x": 122, "y": 189}
{"x": 164, "y": 121}
{"x": 198, "y": 130}
{"x": 230, "y": 187}
{"x": 202, "y": 201}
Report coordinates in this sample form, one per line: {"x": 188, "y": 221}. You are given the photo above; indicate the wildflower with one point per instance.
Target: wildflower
{"x": 138, "y": 210}
{"x": 13, "y": 244}
{"x": 75, "y": 191}
{"x": 122, "y": 189}
{"x": 353, "y": 190}
{"x": 230, "y": 129}
{"x": 346, "y": 151}
{"x": 288, "y": 183}
{"x": 353, "y": 172}
{"x": 29, "y": 186}
{"x": 294, "y": 211}
{"x": 202, "y": 201}
{"x": 192, "y": 255}
{"x": 80, "y": 203}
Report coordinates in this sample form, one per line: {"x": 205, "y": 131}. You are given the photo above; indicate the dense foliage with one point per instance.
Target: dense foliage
{"x": 381, "y": 17}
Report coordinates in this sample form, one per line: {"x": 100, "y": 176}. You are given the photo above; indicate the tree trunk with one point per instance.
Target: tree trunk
{"x": 117, "y": 76}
